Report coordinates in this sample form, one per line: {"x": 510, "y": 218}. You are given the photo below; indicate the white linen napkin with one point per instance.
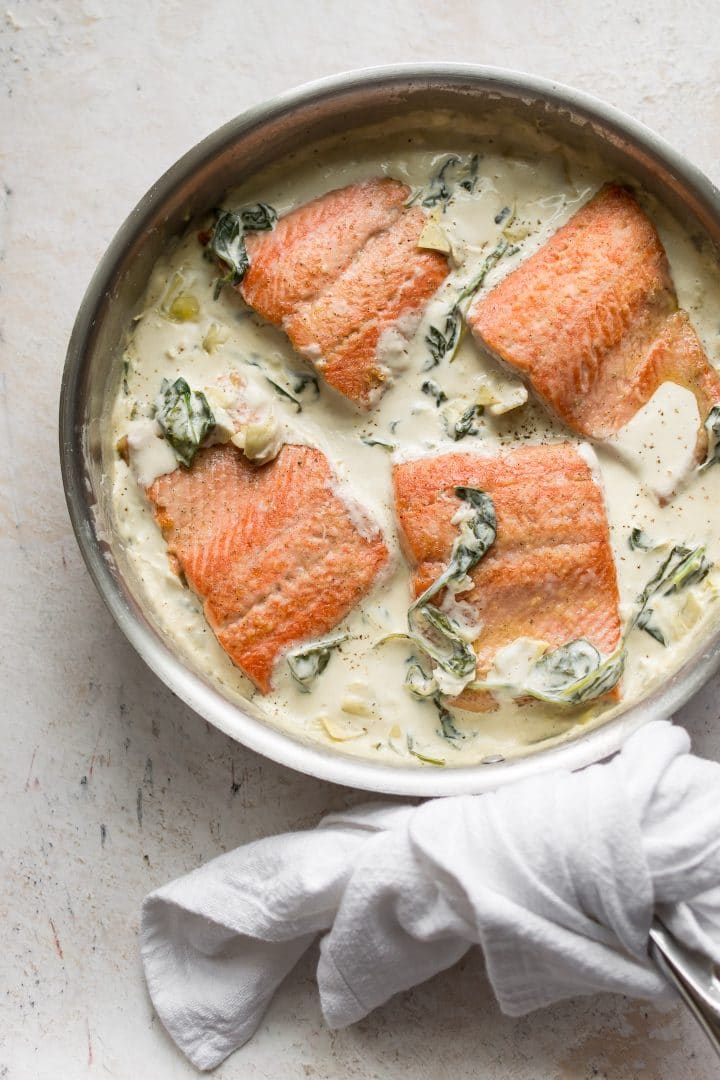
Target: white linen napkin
{"x": 556, "y": 878}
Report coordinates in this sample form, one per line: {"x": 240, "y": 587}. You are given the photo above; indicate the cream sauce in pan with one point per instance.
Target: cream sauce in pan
{"x": 359, "y": 705}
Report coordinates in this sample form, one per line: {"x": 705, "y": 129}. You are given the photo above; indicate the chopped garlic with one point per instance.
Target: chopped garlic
{"x": 245, "y": 418}
{"x": 355, "y": 705}
{"x": 500, "y": 394}
{"x": 434, "y": 238}
{"x": 184, "y": 308}
{"x": 263, "y": 439}
{"x": 215, "y": 336}
{"x": 340, "y": 730}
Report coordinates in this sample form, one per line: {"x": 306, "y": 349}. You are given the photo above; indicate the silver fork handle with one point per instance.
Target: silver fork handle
{"x": 692, "y": 976}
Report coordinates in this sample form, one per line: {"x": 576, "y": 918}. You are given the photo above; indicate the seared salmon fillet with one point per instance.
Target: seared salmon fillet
{"x": 337, "y": 273}
{"x": 272, "y": 551}
{"x": 549, "y": 575}
{"x": 592, "y": 319}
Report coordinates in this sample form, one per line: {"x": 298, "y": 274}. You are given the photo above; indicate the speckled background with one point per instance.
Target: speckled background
{"x": 109, "y": 785}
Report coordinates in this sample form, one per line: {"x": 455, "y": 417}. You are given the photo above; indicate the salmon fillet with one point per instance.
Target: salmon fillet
{"x": 337, "y": 273}
{"x": 549, "y": 575}
{"x": 272, "y": 552}
{"x": 592, "y": 319}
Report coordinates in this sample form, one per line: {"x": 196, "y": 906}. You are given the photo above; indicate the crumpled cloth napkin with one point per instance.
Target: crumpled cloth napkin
{"x": 556, "y": 878}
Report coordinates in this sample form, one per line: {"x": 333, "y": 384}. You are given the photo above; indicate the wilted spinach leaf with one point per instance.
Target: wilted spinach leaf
{"x": 185, "y": 418}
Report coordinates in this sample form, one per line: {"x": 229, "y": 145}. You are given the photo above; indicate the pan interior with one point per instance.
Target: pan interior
{"x": 325, "y": 121}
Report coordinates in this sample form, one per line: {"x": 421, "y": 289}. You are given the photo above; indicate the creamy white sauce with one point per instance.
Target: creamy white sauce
{"x": 150, "y": 453}
{"x": 659, "y": 444}
{"x": 359, "y": 704}
{"x": 513, "y": 666}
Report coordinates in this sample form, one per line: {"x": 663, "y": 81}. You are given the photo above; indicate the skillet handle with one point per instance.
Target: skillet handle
{"x": 693, "y": 977}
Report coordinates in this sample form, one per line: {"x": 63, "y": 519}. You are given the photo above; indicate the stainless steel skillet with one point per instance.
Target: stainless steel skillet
{"x": 275, "y": 132}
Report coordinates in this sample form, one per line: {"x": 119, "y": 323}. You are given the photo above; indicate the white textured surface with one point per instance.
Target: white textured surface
{"x": 110, "y": 786}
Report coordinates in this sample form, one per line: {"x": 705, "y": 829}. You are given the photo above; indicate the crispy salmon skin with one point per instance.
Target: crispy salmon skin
{"x": 592, "y": 319}
{"x": 549, "y": 575}
{"x": 339, "y": 272}
{"x": 272, "y": 551}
